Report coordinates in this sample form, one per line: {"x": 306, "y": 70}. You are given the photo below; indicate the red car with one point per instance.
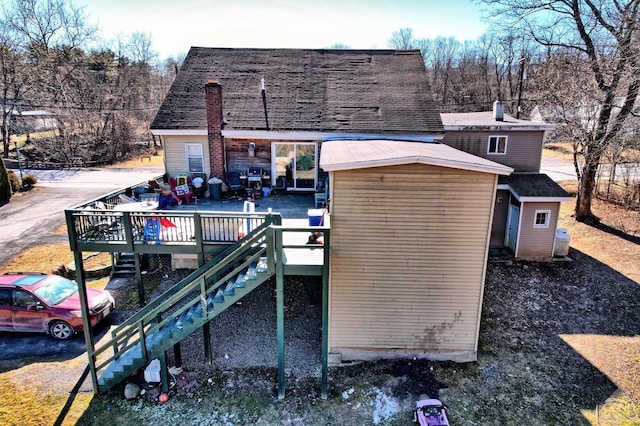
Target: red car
{"x": 35, "y": 302}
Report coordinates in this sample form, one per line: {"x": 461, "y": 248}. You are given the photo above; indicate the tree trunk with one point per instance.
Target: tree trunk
{"x": 586, "y": 187}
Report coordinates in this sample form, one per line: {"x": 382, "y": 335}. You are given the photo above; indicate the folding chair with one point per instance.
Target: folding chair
{"x": 280, "y": 186}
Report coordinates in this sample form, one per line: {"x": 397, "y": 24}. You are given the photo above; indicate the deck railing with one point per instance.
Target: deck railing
{"x": 102, "y": 228}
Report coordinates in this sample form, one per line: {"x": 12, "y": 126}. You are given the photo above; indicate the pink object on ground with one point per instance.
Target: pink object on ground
{"x": 431, "y": 412}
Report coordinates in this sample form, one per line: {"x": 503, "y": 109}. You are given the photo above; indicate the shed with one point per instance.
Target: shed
{"x": 411, "y": 223}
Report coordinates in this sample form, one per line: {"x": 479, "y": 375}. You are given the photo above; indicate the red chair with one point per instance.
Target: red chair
{"x": 182, "y": 191}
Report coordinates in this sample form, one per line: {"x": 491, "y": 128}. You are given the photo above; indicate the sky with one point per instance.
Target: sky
{"x": 175, "y": 26}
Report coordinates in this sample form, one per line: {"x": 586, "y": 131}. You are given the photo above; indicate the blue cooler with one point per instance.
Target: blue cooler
{"x": 315, "y": 217}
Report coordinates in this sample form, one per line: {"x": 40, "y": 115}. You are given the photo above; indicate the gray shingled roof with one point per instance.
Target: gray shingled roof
{"x": 528, "y": 185}
{"x": 346, "y": 91}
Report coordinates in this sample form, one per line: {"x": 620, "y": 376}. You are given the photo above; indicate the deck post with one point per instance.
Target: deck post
{"x": 206, "y": 338}
{"x": 164, "y": 376}
{"x": 86, "y": 325}
{"x": 136, "y": 257}
{"x": 280, "y": 310}
{"x": 325, "y": 316}
{"x": 177, "y": 354}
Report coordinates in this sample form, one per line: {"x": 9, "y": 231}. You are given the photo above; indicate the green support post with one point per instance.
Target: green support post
{"x": 325, "y": 315}
{"x": 164, "y": 375}
{"x": 139, "y": 281}
{"x": 280, "y": 310}
{"x": 206, "y": 338}
{"x": 86, "y": 325}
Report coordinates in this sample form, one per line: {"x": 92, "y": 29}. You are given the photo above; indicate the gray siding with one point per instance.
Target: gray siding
{"x": 537, "y": 243}
{"x": 524, "y": 148}
{"x": 408, "y": 256}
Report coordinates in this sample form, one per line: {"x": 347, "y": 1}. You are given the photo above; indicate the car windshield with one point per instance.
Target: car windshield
{"x": 56, "y": 290}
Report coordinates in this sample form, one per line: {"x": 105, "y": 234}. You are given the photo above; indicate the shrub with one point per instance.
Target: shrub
{"x": 14, "y": 181}
{"x": 29, "y": 180}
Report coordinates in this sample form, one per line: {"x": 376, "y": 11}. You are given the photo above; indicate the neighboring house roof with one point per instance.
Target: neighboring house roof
{"x": 527, "y": 187}
{"x": 339, "y": 91}
{"x": 359, "y": 154}
{"x": 485, "y": 121}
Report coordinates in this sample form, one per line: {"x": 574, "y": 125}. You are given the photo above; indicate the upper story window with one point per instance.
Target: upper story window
{"x": 195, "y": 158}
{"x": 497, "y": 145}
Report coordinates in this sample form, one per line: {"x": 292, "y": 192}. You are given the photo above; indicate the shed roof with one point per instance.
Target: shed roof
{"x": 342, "y": 91}
{"x": 532, "y": 187}
{"x": 485, "y": 121}
{"x": 359, "y": 154}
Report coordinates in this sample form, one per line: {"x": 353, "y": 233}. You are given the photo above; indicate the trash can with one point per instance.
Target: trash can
{"x": 215, "y": 191}
{"x": 563, "y": 239}
{"x": 315, "y": 217}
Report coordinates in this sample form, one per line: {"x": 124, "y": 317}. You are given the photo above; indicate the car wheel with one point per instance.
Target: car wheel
{"x": 60, "y": 330}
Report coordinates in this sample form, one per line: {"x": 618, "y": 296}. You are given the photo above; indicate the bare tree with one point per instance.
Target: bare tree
{"x": 402, "y": 39}
{"x": 603, "y": 34}
{"x": 14, "y": 79}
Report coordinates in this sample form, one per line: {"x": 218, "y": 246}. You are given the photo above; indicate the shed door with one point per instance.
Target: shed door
{"x": 512, "y": 232}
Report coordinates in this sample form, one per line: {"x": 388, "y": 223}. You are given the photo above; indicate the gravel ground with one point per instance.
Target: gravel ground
{"x": 245, "y": 335}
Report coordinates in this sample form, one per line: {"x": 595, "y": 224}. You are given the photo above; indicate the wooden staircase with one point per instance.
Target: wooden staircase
{"x": 185, "y": 308}
{"x": 123, "y": 264}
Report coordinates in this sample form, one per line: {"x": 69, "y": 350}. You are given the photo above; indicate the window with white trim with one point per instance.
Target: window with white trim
{"x": 541, "y": 219}
{"x": 497, "y": 145}
{"x": 194, "y": 157}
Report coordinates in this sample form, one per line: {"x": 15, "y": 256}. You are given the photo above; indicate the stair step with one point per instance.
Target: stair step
{"x": 116, "y": 272}
{"x": 251, "y": 272}
{"x": 229, "y": 287}
{"x": 196, "y": 310}
{"x": 262, "y": 265}
{"x": 219, "y": 296}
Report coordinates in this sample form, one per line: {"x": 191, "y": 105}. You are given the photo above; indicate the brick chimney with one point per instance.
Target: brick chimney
{"x": 213, "y": 101}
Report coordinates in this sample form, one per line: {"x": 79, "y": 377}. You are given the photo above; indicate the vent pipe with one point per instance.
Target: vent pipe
{"x": 264, "y": 103}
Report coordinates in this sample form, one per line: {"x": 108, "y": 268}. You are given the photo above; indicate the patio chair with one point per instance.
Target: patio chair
{"x": 280, "y": 186}
{"x": 323, "y": 196}
{"x": 235, "y": 185}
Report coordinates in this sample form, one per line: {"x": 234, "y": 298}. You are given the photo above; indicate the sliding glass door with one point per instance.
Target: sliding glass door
{"x": 295, "y": 161}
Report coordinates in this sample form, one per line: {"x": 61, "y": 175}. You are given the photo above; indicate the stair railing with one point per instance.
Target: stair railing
{"x": 204, "y": 281}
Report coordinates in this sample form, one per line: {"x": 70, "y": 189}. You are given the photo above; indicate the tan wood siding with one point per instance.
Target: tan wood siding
{"x": 407, "y": 257}
{"x": 175, "y": 157}
{"x": 524, "y": 148}
{"x": 537, "y": 243}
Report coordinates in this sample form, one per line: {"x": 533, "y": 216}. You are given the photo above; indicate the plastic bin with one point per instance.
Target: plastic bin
{"x": 315, "y": 217}
{"x": 152, "y": 372}
{"x": 562, "y": 242}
